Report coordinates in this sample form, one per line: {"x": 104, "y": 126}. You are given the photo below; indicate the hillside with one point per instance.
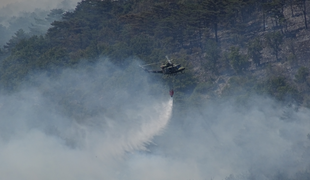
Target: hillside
{"x": 230, "y": 47}
{"x": 75, "y": 103}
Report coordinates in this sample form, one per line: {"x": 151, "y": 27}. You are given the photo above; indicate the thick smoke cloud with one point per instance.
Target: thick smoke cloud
{"x": 32, "y": 16}
{"x": 102, "y": 122}
{"x": 15, "y": 7}
{"x": 257, "y": 140}
{"x": 79, "y": 125}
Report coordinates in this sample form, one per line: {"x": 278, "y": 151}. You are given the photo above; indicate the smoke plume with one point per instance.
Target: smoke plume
{"x": 102, "y": 122}
{"x": 80, "y": 125}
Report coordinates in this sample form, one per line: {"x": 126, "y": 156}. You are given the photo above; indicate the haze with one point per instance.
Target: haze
{"x": 13, "y": 7}
{"x": 27, "y": 15}
{"x": 99, "y": 121}
{"x": 5, "y": 2}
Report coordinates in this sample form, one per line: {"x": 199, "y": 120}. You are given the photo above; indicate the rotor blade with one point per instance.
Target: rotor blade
{"x": 149, "y": 64}
{"x": 168, "y": 59}
{"x": 151, "y": 71}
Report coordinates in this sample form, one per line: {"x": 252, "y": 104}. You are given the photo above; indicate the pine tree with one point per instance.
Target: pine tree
{"x": 215, "y": 12}
{"x": 238, "y": 61}
{"x": 274, "y": 41}
{"x": 254, "y": 51}
{"x": 301, "y": 4}
{"x": 19, "y": 35}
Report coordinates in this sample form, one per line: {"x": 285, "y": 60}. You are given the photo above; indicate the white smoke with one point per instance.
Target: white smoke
{"x": 38, "y": 140}
{"x": 9, "y": 8}
{"x": 102, "y": 122}
{"x": 30, "y": 15}
{"x": 259, "y": 140}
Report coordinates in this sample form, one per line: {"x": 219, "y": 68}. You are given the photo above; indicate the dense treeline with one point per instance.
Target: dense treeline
{"x": 211, "y": 37}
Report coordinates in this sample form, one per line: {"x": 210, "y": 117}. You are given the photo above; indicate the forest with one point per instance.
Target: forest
{"x": 75, "y": 104}
{"x": 229, "y": 47}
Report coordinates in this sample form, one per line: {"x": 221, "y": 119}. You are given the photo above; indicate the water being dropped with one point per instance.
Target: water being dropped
{"x": 121, "y": 137}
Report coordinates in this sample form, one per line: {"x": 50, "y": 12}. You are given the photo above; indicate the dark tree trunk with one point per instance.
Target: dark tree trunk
{"x": 264, "y": 22}
{"x": 305, "y": 14}
{"x": 291, "y": 6}
{"x": 215, "y": 32}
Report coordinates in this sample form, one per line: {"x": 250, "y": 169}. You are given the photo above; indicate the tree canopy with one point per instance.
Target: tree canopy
{"x": 211, "y": 33}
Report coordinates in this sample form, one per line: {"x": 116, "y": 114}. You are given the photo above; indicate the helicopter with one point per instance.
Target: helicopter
{"x": 168, "y": 68}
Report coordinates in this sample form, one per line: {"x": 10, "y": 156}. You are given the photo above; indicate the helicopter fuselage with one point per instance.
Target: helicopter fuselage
{"x": 168, "y": 69}
{"x": 172, "y": 69}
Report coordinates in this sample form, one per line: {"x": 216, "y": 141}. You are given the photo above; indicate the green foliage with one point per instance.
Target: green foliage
{"x": 213, "y": 52}
{"x": 119, "y": 52}
{"x": 57, "y": 57}
{"x": 3, "y": 31}
{"x": 27, "y": 56}
{"x": 274, "y": 9}
{"x": 215, "y": 13}
{"x": 302, "y": 74}
{"x": 238, "y": 39}
{"x": 2, "y": 54}
{"x": 291, "y": 57}
{"x": 141, "y": 46}
{"x": 279, "y": 88}
{"x": 239, "y": 86}
{"x": 254, "y": 51}
{"x": 19, "y": 35}
{"x": 301, "y": 4}
{"x": 186, "y": 30}
{"x": 274, "y": 41}
{"x": 41, "y": 24}
{"x": 238, "y": 61}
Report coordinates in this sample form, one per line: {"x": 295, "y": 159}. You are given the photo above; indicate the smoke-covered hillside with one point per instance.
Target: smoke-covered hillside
{"x": 76, "y": 105}
{"x": 98, "y": 121}
{"x": 33, "y": 17}
{"x": 259, "y": 46}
